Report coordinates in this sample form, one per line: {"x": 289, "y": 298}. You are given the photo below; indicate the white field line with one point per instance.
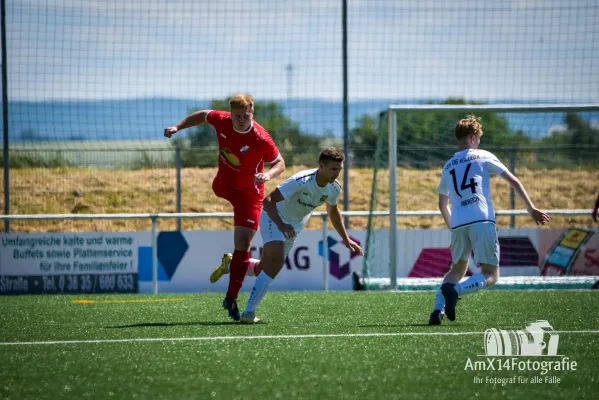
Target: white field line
{"x": 224, "y": 338}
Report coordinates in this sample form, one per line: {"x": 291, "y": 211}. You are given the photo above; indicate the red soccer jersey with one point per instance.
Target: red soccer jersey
{"x": 241, "y": 155}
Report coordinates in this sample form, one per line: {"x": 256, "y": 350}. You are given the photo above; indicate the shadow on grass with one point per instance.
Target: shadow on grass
{"x": 163, "y": 324}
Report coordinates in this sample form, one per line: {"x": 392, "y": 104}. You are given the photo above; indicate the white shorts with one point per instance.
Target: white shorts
{"x": 270, "y": 232}
{"x": 482, "y": 238}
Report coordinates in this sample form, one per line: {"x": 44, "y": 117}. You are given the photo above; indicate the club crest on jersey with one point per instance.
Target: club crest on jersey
{"x": 244, "y": 149}
{"x": 323, "y": 199}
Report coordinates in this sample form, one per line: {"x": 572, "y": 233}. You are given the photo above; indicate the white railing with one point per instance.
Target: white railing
{"x": 154, "y": 217}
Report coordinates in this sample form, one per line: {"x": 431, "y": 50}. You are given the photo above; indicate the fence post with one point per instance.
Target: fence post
{"x": 325, "y": 253}
{"x": 178, "y": 167}
{"x": 393, "y": 199}
{"x": 5, "y": 116}
{"x": 512, "y": 193}
{"x": 154, "y": 257}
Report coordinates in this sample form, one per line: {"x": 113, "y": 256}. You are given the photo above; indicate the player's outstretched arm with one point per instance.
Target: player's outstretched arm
{"x": 337, "y": 222}
{"x": 537, "y": 215}
{"x": 193, "y": 119}
{"x": 445, "y": 210}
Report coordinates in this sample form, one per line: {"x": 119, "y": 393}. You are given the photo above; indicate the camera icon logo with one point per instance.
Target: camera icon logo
{"x": 537, "y": 339}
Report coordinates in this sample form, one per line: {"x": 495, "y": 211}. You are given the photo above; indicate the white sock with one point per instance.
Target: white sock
{"x": 439, "y": 300}
{"x": 261, "y": 285}
{"x": 251, "y": 271}
{"x": 471, "y": 285}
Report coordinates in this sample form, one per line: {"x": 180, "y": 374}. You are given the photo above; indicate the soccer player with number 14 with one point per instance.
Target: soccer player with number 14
{"x": 466, "y": 182}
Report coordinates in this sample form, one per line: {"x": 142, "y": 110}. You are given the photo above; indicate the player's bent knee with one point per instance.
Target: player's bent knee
{"x": 273, "y": 257}
{"x": 460, "y": 267}
{"x": 243, "y": 238}
{"x": 272, "y": 267}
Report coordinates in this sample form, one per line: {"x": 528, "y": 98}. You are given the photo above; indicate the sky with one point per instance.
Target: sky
{"x": 484, "y": 50}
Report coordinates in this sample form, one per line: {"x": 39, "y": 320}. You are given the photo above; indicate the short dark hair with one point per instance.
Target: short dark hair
{"x": 331, "y": 154}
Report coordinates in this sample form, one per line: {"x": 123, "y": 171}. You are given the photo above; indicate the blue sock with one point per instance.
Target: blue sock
{"x": 439, "y": 300}
{"x": 471, "y": 285}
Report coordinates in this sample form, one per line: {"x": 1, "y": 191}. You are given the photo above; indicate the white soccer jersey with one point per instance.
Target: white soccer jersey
{"x": 302, "y": 195}
{"x": 466, "y": 180}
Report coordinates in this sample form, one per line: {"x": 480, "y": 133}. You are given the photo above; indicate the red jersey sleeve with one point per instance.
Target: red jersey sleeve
{"x": 214, "y": 117}
{"x": 269, "y": 149}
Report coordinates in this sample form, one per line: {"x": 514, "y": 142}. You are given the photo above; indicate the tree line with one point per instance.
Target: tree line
{"x": 425, "y": 140}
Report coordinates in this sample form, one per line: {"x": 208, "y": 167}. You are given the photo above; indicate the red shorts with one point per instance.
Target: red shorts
{"x": 247, "y": 205}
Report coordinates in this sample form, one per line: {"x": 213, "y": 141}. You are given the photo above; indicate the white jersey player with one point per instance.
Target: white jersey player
{"x": 466, "y": 182}
{"x": 285, "y": 213}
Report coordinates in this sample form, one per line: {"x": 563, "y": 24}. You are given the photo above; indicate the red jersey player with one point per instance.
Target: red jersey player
{"x": 244, "y": 146}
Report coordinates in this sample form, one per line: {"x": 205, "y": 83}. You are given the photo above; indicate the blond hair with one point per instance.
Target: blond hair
{"x": 331, "y": 154}
{"x": 241, "y": 101}
{"x": 468, "y": 126}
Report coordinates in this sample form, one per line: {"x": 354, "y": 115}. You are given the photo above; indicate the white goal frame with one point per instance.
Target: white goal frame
{"x": 394, "y": 110}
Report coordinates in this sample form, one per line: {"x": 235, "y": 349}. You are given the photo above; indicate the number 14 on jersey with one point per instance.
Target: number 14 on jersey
{"x": 464, "y": 185}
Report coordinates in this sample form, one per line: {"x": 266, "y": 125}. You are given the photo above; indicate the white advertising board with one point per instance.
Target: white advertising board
{"x": 303, "y": 269}
{"x": 97, "y": 262}
{"x": 72, "y": 262}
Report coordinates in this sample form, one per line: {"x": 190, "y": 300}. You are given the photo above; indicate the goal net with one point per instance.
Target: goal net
{"x": 552, "y": 150}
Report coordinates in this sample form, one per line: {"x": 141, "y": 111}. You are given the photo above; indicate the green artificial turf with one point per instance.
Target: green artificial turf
{"x": 367, "y": 345}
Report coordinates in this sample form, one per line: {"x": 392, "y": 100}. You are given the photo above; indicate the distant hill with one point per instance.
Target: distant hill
{"x": 145, "y": 119}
